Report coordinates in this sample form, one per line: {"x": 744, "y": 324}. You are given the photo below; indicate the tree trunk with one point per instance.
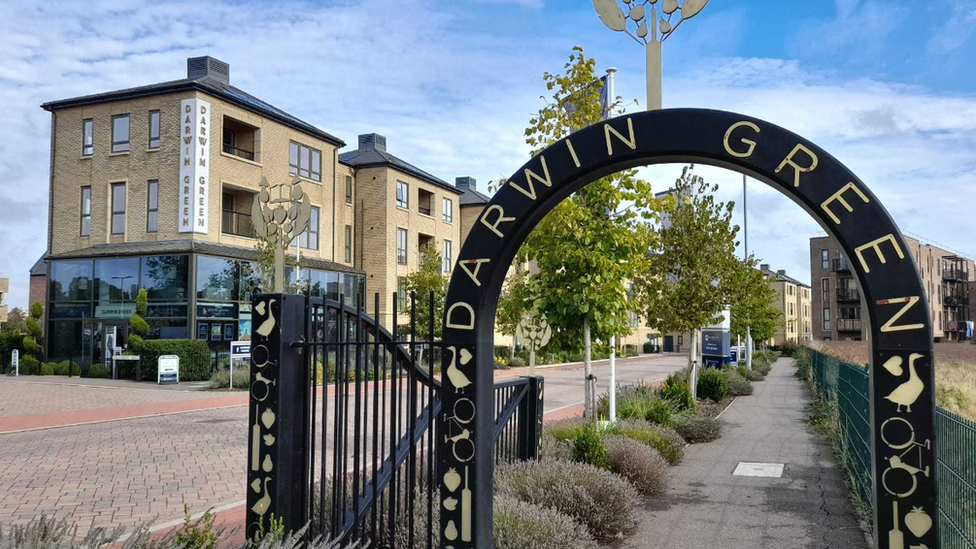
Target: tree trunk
{"x": 587, "y": 372}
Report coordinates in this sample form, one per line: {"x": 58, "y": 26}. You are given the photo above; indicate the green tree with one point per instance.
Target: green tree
{"x": 16, "y": 321}
{"x": 751, "y": 302}
{"x": 34, "y": 340}
{"x": 591, "y": 244}
{"x": 693, "y": 272}
{"x": 138, "y": 327}
{"x": 427, "y": 280}
{"x": 516, "y": 300}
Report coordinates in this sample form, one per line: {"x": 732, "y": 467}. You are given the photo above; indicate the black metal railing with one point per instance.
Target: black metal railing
{"x": 954, "y": 275}
{"x": 423, "y": 210}
{"x": 840, "y": 264}
{"x": 848, "y": 294}
{"x": 236, "y": 223}
{"x": 955, "y": 301}
{"x": 848, "y": 324}
{"x": 237, "y": 151}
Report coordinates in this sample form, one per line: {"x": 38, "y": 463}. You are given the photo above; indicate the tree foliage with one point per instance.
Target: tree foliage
{"x": 751, "y": 303}
{"x": 424, "y": 282}
{"x": 694, "y": 272}
{"x": 592, "y": 243}
{"x": 34, "y": 340}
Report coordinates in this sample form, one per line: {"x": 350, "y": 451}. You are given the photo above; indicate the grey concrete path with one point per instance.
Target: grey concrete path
{"x": 705, "y": 506}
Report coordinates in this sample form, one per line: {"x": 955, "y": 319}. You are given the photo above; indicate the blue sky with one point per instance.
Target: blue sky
{"x": 887, "y": 87}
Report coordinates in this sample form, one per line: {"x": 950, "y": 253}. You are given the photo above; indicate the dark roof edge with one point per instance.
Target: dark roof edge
{"x": 179, "y": 86}
{"x": 419, "y": 174}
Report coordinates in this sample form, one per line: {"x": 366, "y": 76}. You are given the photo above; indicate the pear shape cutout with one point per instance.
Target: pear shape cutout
{"x": 451, "y": 532}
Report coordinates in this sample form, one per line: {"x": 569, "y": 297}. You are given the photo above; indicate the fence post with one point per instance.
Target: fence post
{"x": 277, "y": 468}
{"x": 530, "y": 420}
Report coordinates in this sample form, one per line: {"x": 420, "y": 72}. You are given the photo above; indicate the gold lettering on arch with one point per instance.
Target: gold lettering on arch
{"x": 909, "y": 302}
{"x": 572, "y": 153}
{"x": 749, "y": 142}
{"x": 632, "y": 142}
{"x": 477, "y": 267}
{"x": 529, "y": 175}
{"x": 798, "y": 169}
{"x": 498, "y": 220}
{"x": 449, "y": 323}
{"x": 839, "y": 197}
{"x": 876, "y": 245}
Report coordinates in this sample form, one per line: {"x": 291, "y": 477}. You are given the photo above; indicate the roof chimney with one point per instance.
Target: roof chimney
{"x": 465, "y": 183}
{"x": 781, "y": 272}
{"x": 372, "y": 142}
{"x": 207, "y": 67}
{"x": 764, "y": 267}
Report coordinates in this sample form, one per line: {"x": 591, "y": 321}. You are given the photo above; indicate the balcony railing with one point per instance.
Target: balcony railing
{"x": 848, "y": 324}
{"x": 954, "y": 275}
{"x": 423, "y": 210}
{"x": 848, "y": 294}
{"x": 840, "y": 265}
{"x": 955, "y": 301}
{"x": 237, "y": 223}
{"x": 237, "y": 151}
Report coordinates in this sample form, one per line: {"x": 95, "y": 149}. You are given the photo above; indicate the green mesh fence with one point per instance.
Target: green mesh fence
{"x": 846, "y": 385}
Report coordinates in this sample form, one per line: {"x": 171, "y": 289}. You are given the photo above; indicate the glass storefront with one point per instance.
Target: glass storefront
{"x": 91, "y": 300}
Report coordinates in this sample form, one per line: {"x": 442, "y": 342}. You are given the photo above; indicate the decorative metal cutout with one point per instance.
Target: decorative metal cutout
{"x": 280, "y": 220}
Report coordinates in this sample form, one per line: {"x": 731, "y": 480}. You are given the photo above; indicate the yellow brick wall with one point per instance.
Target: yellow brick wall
{"x": 469, "y": 216}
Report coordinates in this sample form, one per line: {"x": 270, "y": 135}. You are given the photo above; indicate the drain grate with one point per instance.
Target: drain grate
{"x": 753, "y": 469}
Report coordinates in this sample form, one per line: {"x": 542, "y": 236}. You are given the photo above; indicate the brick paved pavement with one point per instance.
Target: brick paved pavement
{"x": 23, "y": 396}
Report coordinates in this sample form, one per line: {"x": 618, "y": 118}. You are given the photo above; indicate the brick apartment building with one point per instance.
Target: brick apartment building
{"x": 838, "y": 302}
{"x": 4, "y": 288}
{"x": 793, "y": 301}
{"x": 151, "y": 187}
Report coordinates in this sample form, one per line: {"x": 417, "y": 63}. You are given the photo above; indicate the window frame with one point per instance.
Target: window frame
{"x": 158, "y": 129}
{"x": 401, "y": 294}
{"x": 128, "y": 131}
{"x": 347, "y": 233}
{"x": 405, "y": 201}
{"x": 825, "y": 259}
{"x": 826, "y": 319}
{"x": 296, "y": 169}
{"x": 349, "y": 189}
{"x": 403, "y": 237}
{"x": 447, "y": 257}
{"x": 152, "y": 222}
{"x": 314, "y": 222}
{"x": 447, "y": 210}
{"x": 88, "y": 133}
{"x": 115, "y": 212}
{"x": 85, "y": 215}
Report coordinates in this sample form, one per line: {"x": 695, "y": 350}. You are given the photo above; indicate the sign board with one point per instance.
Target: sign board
{"x": 168, "y": 369}
{"x": 15, "y": 361}
{"x": 115, "y": 310}
{"x": 240, "y": 349}
{"x": 195, "y": 135}
{"x": 715, "y": 343}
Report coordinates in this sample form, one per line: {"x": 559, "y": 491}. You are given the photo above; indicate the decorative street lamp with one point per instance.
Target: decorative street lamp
{"x": 649, "y": 30}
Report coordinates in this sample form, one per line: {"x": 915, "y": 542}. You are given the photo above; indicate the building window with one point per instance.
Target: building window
{"x": 447, "y": 260}
{"x": 825, "y": 291}
{"x": 118, "y": 208}
{"x": 310, "y": 238}
{"x": 120, "y": 133}
{"x": 401, "y": 294}
{"x": 825, "y": 259}
{"x": 153, "y": 129}
{"x": 826, "y": 319}
{"x": 305, "y": 161}
{"x": 86, "y": 211}
{"x": 152, "y": 215}
{"x": 348, "y": 243}
{"x": 401, "y": 246}
{"x": 348, "y": 189}
{"x": 87, "y": 137}
{"x": 402, "y": 195}
{"x": 447, "y": 210}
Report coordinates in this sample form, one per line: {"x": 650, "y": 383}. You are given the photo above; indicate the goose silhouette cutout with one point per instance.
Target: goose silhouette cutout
{"x": 457, "y": 377}
{"x": 261, "y": 506}
{"x": 269, "y": 323}
{"x": 908, "y": 392}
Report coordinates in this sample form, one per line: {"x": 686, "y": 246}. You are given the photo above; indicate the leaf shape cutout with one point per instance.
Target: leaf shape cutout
{"x": 669, "y": 6}
{"x": 665, "y": 26}
{"x": 642, "y": 29}
{"x": 691, "y": 8}
{"x": 637, "y": 12}
{"x": 611, "y": 14}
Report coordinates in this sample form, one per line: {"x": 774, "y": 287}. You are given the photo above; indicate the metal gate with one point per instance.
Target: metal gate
{"x": 344, "y": 427}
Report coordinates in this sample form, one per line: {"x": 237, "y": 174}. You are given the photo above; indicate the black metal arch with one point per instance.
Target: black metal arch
{"x": 900, "y": 328}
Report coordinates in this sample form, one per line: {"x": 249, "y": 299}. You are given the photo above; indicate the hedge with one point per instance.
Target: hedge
{"x": 194, "y": 357}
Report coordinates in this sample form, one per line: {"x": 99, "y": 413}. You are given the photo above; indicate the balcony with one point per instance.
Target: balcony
{"x": 236, "y": 223}
{"x": 425, "y": 201}
{"x": 840, "y": 265}
{"x": 848, "y": 294}
{"x": 954, "y": 275}
{"x": 955, "y": 301}
{"x": 848, "y": 324}
{"x": 241, "y": 140}
{"x": 239, "y": 152}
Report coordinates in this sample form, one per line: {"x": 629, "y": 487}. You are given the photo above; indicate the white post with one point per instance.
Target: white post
{"x": 230, "y": 386}
{"x": 610, "y": 93}
{"x": 613, "y": 379}
{"x": 587, "y": 372}
{"x": 748, "y": 348}
{"x": 693, "y": 375}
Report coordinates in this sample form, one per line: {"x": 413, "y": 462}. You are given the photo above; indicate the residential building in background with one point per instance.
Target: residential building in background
{"x": 837, "y": 300}
{"x": 793, "y": 301}
{"x": 38, "y": 286}
{"x": 4, "y": 288}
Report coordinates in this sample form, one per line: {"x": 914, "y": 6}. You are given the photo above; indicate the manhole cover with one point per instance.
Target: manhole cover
{"x": 752, "y": 469}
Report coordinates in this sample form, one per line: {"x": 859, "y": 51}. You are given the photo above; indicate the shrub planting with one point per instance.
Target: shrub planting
{"x": 62, "y": 368}
{"x": 99, "y": 371}
{"x": 695, "y": 428}
{"x": 803, "y": 364}
{"x": 665, "y": 440}
{"x": 565, "y": 429}
{"x": 712, "y": 385}
{"x": 553, "y": 449}
{"x": 676, "y": 390}
{"x": 751, "y": 375}
{"x": 737, "y": 385}
{"x": 602, "y": 501}
{"x": 29, "y": 365}
{"x": 518, "y": 525}
{"x": 788, "y": 349}
{"x": 221, "y": 379}
{"x": 589, "y": 448}
{"x": 48, "y": 368}
{"x": 642, "y": 465}
{"x": 194, "y": 357}
{"x": 517, "y": 362}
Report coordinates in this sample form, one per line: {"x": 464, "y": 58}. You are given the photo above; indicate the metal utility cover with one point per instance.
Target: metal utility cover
{"x": 751, "y": 469}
